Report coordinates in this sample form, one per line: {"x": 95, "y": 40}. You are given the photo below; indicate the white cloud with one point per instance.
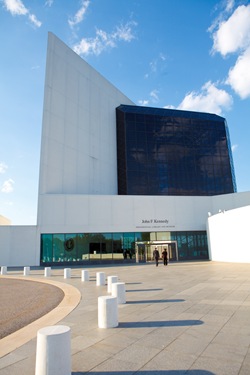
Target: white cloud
{"x": 154, "y": 95}
{"x": 153, "y": 98}
{"x": 233, "y": 34}
{"x": 162, "y": 56}
{"x": 209, "y": 99}
{"x": 3, "y": 167}
{"x": 79, "y": 16}
{"x": 234, "y": 148}
{"x": 143, "y": 102}
{"x": 157, "y": 64}
{"x": 34, "y": 20}
{"x": 153, "y": 66}
{"x": 49, "y": 3}
{"x": 229, "y": 5}
{"x": 104, "y": 40}
{"x": 239, "y": 75}
{"x": 169, "y": 106}
{"x": 7, "y": 186}
{"x": 17, "y": 8}
{"x": 35, "y": 67}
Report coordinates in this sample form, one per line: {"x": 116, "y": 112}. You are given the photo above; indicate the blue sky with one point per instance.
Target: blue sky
{"x": 186, "y": 54}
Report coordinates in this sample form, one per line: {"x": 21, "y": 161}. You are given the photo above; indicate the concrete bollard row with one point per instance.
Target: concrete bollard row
{"x": 53, "y": 351}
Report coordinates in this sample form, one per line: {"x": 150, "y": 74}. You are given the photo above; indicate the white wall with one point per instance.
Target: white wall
{"x": 228, "y": 235}
{"x": 78, "y": 149}
{"x": 81, "y": 213}
{"x": 229, "y": 201}
{"x": 227, "y": 232}
{"x": 19, "y": 246}
{"x": 59, "y": 213}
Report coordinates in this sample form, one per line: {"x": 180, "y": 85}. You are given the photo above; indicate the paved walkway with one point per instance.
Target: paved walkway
{"x": 186, "y": 318}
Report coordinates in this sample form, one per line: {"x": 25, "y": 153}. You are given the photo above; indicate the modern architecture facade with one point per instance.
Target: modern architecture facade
{"x": 171, "y": 152}
{"x": 117, "y": 179}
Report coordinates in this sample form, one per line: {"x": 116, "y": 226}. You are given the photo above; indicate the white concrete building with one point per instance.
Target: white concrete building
{"x": 81, "y": 216}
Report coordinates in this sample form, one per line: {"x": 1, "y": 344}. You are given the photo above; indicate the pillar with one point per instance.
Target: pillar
{"x": 26, "y": 271}
{"x": 100, "y": 278}
{"x": 53, "y": 352}
{"x": 107, "y": 312}
{"x": 118, "y": 291}
{"x": 85, "y": 275}
{"x": 47, "y": 271}
{"x": 67, "y": 273}
{"x": 111, "y": 279}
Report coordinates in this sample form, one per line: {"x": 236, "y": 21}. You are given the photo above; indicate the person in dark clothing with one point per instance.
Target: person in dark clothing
{"x": 165, "y": 257}
{"x": 156, "y": 256}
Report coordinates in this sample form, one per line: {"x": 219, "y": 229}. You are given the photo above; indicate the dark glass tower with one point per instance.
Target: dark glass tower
{"x": 172, "y": 152}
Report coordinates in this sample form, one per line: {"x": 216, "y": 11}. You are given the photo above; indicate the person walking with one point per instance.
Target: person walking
{"x": 156, "y": 256}
{"x": 165, "y": 257}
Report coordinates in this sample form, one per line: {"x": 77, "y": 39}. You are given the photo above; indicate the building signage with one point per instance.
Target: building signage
{"x": 155, "y": 223}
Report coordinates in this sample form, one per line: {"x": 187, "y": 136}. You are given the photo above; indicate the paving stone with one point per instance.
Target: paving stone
{"x": 193, "y": 319}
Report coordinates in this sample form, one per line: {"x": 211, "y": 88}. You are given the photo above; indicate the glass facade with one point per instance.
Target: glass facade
{"x": 172, "y": 152}
{"x": 82, "y": 248}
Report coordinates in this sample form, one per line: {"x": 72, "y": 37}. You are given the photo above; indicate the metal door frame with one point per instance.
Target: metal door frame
{"x": 148, "y": 244}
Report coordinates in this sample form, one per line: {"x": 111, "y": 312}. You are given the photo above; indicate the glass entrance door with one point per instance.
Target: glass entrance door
{"x": 171, "y": 247}
{"x": 172, "y": 254}
{"x": 140, "y": 252}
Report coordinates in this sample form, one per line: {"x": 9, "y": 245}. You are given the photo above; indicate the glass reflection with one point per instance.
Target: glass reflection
{"x": 116, "y": 247}
{"x": 166, "y": 152}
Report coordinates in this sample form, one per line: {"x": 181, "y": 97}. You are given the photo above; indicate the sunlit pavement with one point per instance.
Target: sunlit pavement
{"x": 184, "y": 318}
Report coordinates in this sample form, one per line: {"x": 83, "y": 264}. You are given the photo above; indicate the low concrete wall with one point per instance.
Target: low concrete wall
{"x": 19, "y": 246}
{"x": 228, "y": 235}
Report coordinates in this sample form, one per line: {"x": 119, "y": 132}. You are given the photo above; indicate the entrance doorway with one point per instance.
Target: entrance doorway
{"x": 144, "y": 250}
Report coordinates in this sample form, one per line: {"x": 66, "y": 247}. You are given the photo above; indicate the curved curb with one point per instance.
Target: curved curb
{"x": 72, "y": 297}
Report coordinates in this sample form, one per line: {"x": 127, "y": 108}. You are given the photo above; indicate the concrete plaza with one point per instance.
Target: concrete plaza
{"x": 186, "y": 318}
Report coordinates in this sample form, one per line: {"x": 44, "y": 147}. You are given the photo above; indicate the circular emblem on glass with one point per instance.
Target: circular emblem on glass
{"x": 69, "y": 244}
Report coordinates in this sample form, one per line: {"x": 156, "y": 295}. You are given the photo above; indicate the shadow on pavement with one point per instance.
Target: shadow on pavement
{"x": 155, "y": 301}
{"x": 150, "y": 372}
{"x": 144, "y": 290}
{"x": 167, "y": 323}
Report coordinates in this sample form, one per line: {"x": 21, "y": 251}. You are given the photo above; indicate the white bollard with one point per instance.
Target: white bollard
{"x": 85, "y": 275}
{"x": 100, "y": 278}
{"x": 118, "y": 291}
{"x": 67, "y": 273}
{"x": 26, "y": 271}
{"x": 107, "y": 312}
{"x": 111, "y": 280}
{"x": 47, "y": 271}
{"x": 3, "y": 270}
{"x": 53, "y": 352}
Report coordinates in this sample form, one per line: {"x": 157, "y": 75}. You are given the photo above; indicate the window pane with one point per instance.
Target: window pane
{"x": 58, "y": 247}
{"x": 117, "y": 246}
{"x": 46, "y": 248}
